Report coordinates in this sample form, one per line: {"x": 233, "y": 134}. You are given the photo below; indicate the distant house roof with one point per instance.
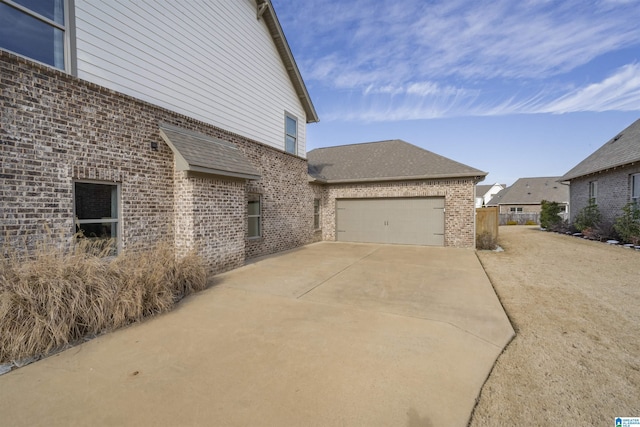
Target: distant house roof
{"x": 197, "y": 152}
{"x": 495, "y": 200}
{"x": 265, "y": 11}
{"x": 391, "y": 160}
{"x": 621, "y": 150}
{"x": 481, "y": 190}
{"x": 531, "y": 191}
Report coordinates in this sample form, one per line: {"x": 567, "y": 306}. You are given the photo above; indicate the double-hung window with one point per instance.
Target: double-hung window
{"x": 36, "y": 29}
{"x": 96, "y": 212}
{"x": 635, "y": 188}
{"x": 515, "y": 209}
{"x": 254, "y": 210}
{"x": 593, "y": 192}
{"x": 316, "y": 214}
{"x": 291, "y": 134}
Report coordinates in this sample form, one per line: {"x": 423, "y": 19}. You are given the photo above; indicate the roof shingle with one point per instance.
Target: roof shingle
{"x": 201, "y": 153}
{"x": 383, "y": 161}
{"x": 531, "y": 191}
{"x": 620, "y": 150}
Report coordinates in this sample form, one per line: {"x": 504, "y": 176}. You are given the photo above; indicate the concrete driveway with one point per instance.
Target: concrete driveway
{"x": 331, "y": 334}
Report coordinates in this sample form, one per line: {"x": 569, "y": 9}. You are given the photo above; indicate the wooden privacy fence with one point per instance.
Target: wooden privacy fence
{"x": 487, "y": 221}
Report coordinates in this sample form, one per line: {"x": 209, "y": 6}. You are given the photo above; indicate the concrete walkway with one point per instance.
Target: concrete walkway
{"x": 331, "y": 334}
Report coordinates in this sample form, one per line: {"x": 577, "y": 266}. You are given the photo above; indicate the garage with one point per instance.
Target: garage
{"x": 408, "y": 221}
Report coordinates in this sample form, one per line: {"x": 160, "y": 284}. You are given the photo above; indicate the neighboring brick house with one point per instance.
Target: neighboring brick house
{"x": 523, "y": 198}
{"x": 609, "y": 177}
{"x": 395, "y": 192}
{"x": 190, "y": 129}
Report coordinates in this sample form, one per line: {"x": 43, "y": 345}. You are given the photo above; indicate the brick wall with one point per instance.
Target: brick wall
{"x": 56, "y": 129}
{"x": 459, "y": 204}
{"x": 614, "y": 191}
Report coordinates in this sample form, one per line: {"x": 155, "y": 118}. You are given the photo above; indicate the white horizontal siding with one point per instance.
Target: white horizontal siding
{"x": 210, "y": 60}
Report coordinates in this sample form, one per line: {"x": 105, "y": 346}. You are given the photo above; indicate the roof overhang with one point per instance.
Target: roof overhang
{"x": 569, "y": 177}
{"x": 266, "y": 12}
{"x": 476, "y": 178}
{"x": 196, "y": 152}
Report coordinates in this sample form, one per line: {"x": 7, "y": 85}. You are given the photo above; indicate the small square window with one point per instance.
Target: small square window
{"x": 254, "y": 215}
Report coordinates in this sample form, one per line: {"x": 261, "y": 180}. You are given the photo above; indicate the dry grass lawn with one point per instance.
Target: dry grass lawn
{"x": 575, "y": 306}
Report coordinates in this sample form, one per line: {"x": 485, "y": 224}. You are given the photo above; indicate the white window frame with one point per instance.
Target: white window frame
{"x": 316, "y": 214}
{"x": 515, "y": 209}
{"x": 69, "y": 62}
{"x": 287, "y": 135}
{"x": 115, "y": 211}
{"x": 635, "y": 188}
{"x": 254, "y": 197}
{"x": 593, "y": 192}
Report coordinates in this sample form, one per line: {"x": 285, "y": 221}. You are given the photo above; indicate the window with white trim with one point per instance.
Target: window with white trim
{"x": 593, "y": 192}
{"x": 316, "y": 214}
{"x": 635, "y": 188}
{"x": 515, "y": 209}
{"x": 254, "y": 214}
{"x": 36, "y": 29}
{"x": 291, "y": 134}
{"x": 96, "y": 212}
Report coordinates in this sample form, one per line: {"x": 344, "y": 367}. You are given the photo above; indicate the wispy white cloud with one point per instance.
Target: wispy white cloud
{"x": 390, "y": 41}
{"x": 415, "y": 59}
{"x": 620, "y": 92}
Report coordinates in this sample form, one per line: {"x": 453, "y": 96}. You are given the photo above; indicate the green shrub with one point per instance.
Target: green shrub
{"x": 588, "y": 217}
{"x": 54, "y": 297}
{"x": 628, "y": 225}
{"x": 550, "y": 214}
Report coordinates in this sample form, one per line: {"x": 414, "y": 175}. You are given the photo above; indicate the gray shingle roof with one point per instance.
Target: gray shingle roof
{"x": 201, "y": 153}
{"x": 481, "y": 190}
{"x": 383, "y": 161}
{"x": 495, "y": 200}
{"x": 622, "y": 149}
{"x": 531, "y": 191}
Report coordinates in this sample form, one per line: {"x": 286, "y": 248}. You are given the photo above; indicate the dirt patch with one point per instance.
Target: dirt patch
{"x": 575, "y": 306}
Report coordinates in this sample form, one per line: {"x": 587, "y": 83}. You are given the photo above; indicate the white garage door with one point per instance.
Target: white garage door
{"x": 409, "y": 221}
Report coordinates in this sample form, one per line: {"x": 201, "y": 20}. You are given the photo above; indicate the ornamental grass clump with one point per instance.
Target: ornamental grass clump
{"x": 54, "y": 297}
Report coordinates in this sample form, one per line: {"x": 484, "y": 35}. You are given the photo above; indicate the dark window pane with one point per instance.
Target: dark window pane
{"x": 95, "y": 201}
{"x": 254, "y": 208}
{"x": 28, "y": 36}
{"x": 254, "y": 227}
{"x": 52, "y": 9}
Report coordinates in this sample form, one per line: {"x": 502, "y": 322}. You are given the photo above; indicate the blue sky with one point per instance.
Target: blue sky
{"x": 516, "y": 88}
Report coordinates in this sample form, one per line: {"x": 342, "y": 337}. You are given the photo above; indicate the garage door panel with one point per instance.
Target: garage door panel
{"x": 416, "y": 221}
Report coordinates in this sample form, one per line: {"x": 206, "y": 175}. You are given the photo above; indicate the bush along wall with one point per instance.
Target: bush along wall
{"x": 57, "y": 297}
